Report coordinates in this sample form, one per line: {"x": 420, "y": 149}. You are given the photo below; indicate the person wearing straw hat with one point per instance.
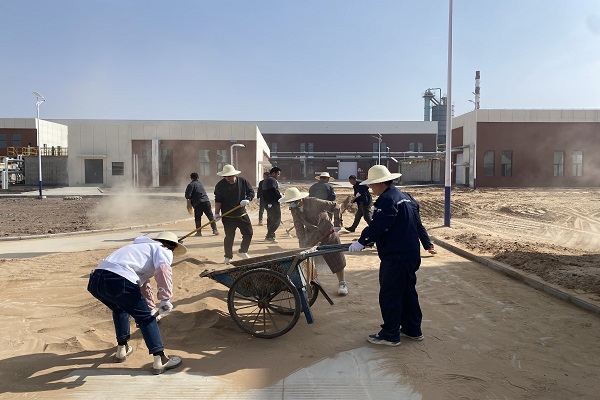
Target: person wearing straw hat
{"x": 313, "y": 225}
{"x": 230, "y": 192}
{"x": 395, "y": 230}
{"x": 121, "y": 282}
{"x": 323, "y": 189}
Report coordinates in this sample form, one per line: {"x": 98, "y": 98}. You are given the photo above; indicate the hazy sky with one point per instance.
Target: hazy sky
{"x": 292, "y": 60}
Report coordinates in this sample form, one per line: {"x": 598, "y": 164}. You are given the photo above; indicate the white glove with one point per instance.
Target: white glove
{"x": 217, "y": 216}
{"x": 269, "y": 205}
{"x": 337, "y": 228}
{"x": 244, "y": 203}
{"x": 164, "y": 307}
{"x": 357, "y": 195}
{"x": 355, "y": 246}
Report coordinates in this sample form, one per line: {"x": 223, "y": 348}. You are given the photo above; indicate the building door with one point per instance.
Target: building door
{"x": 460, "y": 170}
{"x": 93, "y": 171}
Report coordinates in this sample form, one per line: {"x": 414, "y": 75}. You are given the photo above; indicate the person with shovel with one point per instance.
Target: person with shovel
{"x": 197, "y": 197}
{"x": 232, "y": 194}
{"x": 313, "y": 225}
{"x": 118, "y": 282}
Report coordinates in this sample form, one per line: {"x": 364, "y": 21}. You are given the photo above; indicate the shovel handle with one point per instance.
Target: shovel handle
{"x": 208, "y": 223}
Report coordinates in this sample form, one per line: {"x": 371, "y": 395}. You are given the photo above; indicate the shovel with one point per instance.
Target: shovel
{"x": 208, "y": 223}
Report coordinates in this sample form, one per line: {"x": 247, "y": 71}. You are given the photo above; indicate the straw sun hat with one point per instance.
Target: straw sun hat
{"x": 292, "y": 194}
{"x": 378, "y": 174}
{"x": 228, "y": 170}
{"x": 325, "y": 175}
{"x": 172, "y": 238}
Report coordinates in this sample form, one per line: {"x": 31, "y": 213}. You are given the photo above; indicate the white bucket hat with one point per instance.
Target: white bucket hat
{"x": 325, "y": 175}
{"x": 292, "y": 194}
{"x": 378, "y": 174}
{"x": 228, "y": 170}
{"x": 172, "y": 238}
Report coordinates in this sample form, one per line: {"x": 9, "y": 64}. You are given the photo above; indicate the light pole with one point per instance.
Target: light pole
{"x": 476, "y": 104}
{"x": 39, "y": 99}
{"x": 231, "y": 149}
{"x": 378, "y": 137}
{"x": 448, "y": 171}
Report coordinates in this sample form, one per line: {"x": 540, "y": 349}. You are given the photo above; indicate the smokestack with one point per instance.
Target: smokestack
{"x": 477, "y": 77}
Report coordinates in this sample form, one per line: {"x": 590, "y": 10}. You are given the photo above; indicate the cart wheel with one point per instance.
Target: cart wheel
{"x": 314, "y": 293}
{"x": 264, "y": 303}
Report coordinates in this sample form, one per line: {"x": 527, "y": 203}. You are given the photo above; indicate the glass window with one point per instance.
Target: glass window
{"x": 488, "y": 163}
{"x": 222, "y": 159}
{"x": 118, "y": 168}
{"x": 16, "y": 140}
{"x": 506, "y": 166}
{"x": 302, "y": 147}
{"x": 411, "y": 147}
{"x": 578, "y": 163}
{"x": 559, "y": 163}
{"x": 3, "y": 140}
{"x": 204, "y": 162}
{"x": 420, "y": 147}
{"x": 147, "y": 161}
{"x": 166, "y": 162}
{"x": 311, "y": 147}
{"x": 274, "y": 147}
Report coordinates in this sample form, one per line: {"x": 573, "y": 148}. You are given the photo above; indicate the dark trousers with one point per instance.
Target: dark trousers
{"x": 273, "y": 219}
{"x": 206, "y": 209}
{"x": 364, "y": 210}
{"x": 245, "y": 227}
{"x": 261, "y": 209}
{"x": 398, "y": 299}
{"x": 125, "y": 299}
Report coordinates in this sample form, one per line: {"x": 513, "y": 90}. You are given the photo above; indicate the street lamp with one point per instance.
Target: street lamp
{"x": 39, "y": 99}
{"x": 378, "y": 137}
{"x": 231, "y": 149}
{"x": 476, "y": 104}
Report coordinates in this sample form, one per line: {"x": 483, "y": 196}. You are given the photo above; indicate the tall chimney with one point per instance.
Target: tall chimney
{"x": 476, "y": 90}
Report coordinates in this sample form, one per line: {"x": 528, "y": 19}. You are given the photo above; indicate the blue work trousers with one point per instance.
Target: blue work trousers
{"x": 398, "y": 299}
{"x": 125, "y": 299}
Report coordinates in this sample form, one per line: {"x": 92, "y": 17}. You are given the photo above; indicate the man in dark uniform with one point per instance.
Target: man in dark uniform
{"x": 230, "y": 192}
{"x": 395, "y": 230}
{"x": 261, "y": 200}
{"x": 196, "y": 195}
{"x": 364, "y": 201}
{"x": 271, "y": 195}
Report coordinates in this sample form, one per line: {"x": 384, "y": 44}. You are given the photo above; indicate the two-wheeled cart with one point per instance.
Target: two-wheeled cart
{"x": 267, "y": 294}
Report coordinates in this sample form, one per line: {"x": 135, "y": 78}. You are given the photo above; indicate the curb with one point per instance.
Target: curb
{"x": 125, "y": 228}
{"x": 520, "y": 276}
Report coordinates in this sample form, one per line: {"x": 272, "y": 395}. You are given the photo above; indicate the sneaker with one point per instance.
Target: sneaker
{"x": 343, "y": 289}
{"x": 227, "y": 261}
{"x": 215, "y": 232}
{"x": 260, "y": 223}
{"x": 199, "y": 233}
{"x": 417, "y": 338}
{"x": 158, "y": 367}
{"x": 242, "y": 254}
{"x": 349, "y": 229}
{"x": 122, "y": 353}
{"x": 271, "y": 239}
{"x": 375, "y": 339}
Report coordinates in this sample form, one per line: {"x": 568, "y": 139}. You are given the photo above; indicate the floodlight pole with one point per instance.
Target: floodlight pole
{"x": 39, "y": 100}
{"x": 231, "y": 149}
{"x": 448, "y": 180}
{"x": 378, "y": 137}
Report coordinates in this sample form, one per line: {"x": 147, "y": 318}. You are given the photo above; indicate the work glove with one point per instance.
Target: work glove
{"x": 190, "y": 208}
{"x": 337, "y": 228}
{"x": 431, "y": 250}
{"x": 217, "y": 216}
{"x": 164, "y": 307}
{"x": 269, "y": 205}
{"x": 355, "y": 246}
{"x": 244, "y": 203}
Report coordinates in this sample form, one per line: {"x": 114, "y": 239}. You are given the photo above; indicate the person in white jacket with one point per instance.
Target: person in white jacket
{"x": 121, "y": 282}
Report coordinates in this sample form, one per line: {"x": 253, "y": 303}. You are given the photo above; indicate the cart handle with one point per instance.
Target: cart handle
{"x": 208, "y": 223}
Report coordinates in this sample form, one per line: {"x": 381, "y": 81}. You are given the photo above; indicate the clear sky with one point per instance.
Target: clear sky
{"x": 292, "y": 60}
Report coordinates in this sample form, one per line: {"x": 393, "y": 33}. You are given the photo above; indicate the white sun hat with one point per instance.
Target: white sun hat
{"x": 228, "y": 170}
{"x": 172, "y": 238}
{"x": 325, "y": 175}
{"x": 292, "y": 194}
{"x": 378, "y": 174}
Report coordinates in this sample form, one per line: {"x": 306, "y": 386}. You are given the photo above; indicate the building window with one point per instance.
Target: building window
{"x": 578, "y": 163}
{"x": 411, "y": 147}
{"x": 506, "y": 166}
{"x": 204, "y": 162}
{"x": 559, "y": 163}
{"x": 222, "y": 157}
{"x": 420, "y": 147}
{"x": 488, "y": 163}
{"x": 118, "y": 168}
{"x": 16, "y": 140}
{"x": 3, "y": 141}
{"x": 274, "y": 147}
{"x": 302, "y": 147}
{"x": 166, "y": 162}
{"x": 147, "y": 161}
{"x": 311, "y": 147}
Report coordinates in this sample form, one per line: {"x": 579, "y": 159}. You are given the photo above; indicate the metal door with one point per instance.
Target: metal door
{"x": 93, "y": 171}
